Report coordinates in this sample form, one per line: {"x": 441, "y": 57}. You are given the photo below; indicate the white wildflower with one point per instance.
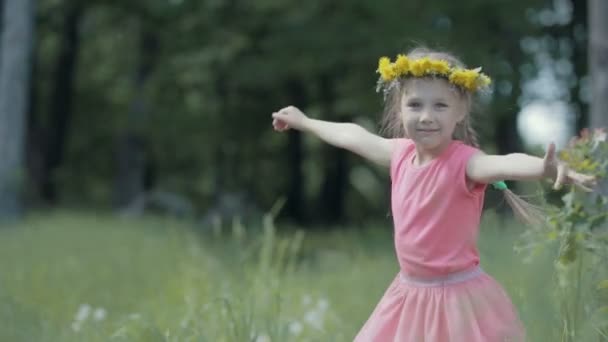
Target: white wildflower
{"x": 83, "y": 313}
{"x": 295, "y": 328}
{"x": 134, "y": 316}
{"x": 262, "y": 338}
{"x": 306, "y": 300}
{"x": 76, "y": 326}
{"x": 314, "y": 318}
{"x": 99, "y": 314}
{"x": 323, "y": 304}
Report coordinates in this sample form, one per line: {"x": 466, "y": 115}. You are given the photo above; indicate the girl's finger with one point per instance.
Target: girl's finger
{"x": 281, "y": 126}
{"x": 581, "y": 184}
{"x": 581, "y": 178}
{"x": 561, "y": 176}
{"x": 583, "y": 187}
{"x": 550, "y": 154}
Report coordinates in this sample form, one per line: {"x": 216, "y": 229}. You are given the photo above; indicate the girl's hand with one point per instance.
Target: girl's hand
{"x": 288, "y": 117}
{"x": 562, "y": 174}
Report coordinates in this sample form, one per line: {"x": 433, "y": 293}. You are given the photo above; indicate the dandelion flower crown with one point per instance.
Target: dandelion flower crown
{"x": 472, "y": 80}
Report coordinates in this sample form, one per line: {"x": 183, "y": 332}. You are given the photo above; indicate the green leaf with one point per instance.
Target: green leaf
{"x": 602, "y": 286}
{"x": 568, "y": 198}
{"x": 597, "y": 220}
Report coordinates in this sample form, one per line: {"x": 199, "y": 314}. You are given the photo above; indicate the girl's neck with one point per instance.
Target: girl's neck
{"x": 424, "y": 156}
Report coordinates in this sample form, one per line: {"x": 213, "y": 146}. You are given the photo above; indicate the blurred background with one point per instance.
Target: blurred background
{"x": 169, "y": 101}
{"x": 158, "y": 112}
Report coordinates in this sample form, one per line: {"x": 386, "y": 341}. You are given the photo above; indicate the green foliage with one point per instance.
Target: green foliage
{"x": 222, "y": 67}
{"x": 578, "y": 231}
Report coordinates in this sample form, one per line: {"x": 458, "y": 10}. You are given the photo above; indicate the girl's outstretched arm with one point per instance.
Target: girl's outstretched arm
{"x": 519, "y": 166}
{"x": 348, "y": 136}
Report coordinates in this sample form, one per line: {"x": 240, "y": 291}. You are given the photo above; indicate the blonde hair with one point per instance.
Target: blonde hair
{"x": 392, "y": 125}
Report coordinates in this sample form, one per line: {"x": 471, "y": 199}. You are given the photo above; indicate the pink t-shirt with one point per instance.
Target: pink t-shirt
{"x": 436, "y": 216}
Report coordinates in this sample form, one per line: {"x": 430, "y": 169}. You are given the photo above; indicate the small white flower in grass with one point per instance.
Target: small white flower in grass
{"x": 296, "y": 328}
{"x": 76, "y": 326}
{"x": 263, "y": 338}
{"x": 323, "y": 304}
{"x": 306, "y": 299}
{"x": 134, "y": 316}
{"x": 83, "y": 312}
{"x": 314, "y": 318}
{"x": 588, "y": 309}
{"x": 99, "y": 314}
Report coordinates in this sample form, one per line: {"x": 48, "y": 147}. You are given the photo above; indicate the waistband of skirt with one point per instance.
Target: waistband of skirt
{"x": 448, "y": 279}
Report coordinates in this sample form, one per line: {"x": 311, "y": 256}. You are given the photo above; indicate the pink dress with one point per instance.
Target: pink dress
{"x": 440, "y": 294}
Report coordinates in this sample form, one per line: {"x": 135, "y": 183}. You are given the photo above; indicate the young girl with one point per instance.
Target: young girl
{"x": 438, "y": 179}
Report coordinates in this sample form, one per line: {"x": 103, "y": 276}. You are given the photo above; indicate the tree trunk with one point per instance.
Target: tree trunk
{"x": 579, "y": 59}
{"x": 61, "y": 103}
{"x": 15, "y": 72}
{"x": 598, "y": 62}
{"x": 34, "y": 140}
{"x": 130, "y": 182}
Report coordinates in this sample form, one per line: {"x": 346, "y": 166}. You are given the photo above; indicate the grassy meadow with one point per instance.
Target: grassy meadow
{"x": 95, "y": 277}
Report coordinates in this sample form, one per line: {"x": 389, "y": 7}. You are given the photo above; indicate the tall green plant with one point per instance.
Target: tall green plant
{"x": 578, "y": 231}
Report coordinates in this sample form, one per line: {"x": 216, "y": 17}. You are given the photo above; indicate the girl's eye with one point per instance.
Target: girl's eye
{"x": 441, "y": 105}
{"x": 414, "y": 104}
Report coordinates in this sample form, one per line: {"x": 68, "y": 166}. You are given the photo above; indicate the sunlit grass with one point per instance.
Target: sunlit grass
{"x": 85, "y": 277}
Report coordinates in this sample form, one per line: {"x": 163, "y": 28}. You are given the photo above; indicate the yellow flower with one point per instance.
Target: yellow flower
{"x": 383, "y": 62}
{"x": 440, "y": 67}
{"x": 469, "y": 79}
{"x": 464, "y": 78}
{"x": 588, "y": 166}
{"x": 420, "y": 66}
{"x": 386, "y": 69}
{"x": 402, "y": 65}
{"x": 484, "y": 80}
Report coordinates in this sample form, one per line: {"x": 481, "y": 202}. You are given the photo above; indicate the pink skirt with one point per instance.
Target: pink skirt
{"x": 466, "y": 306}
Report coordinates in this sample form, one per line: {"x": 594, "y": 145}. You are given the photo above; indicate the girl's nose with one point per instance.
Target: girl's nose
{"x": 426, "y": 116}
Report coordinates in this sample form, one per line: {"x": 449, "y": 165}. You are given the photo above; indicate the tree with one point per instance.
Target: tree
{"x": 131, "y": 150}
{"x": 186, "y": 87}
{"x": 598, "y": 62}
{"x": 61, "y": 101}
{"x": 15, "y": 69}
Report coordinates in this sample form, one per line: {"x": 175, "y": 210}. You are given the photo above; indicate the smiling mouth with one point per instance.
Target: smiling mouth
{"x": 427, "y": 130}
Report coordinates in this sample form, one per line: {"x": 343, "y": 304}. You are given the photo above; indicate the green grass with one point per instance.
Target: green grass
{"x": 154, "y": 279}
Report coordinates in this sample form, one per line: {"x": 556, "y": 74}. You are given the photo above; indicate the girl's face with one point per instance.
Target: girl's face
{"x": 430, "y": 110}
